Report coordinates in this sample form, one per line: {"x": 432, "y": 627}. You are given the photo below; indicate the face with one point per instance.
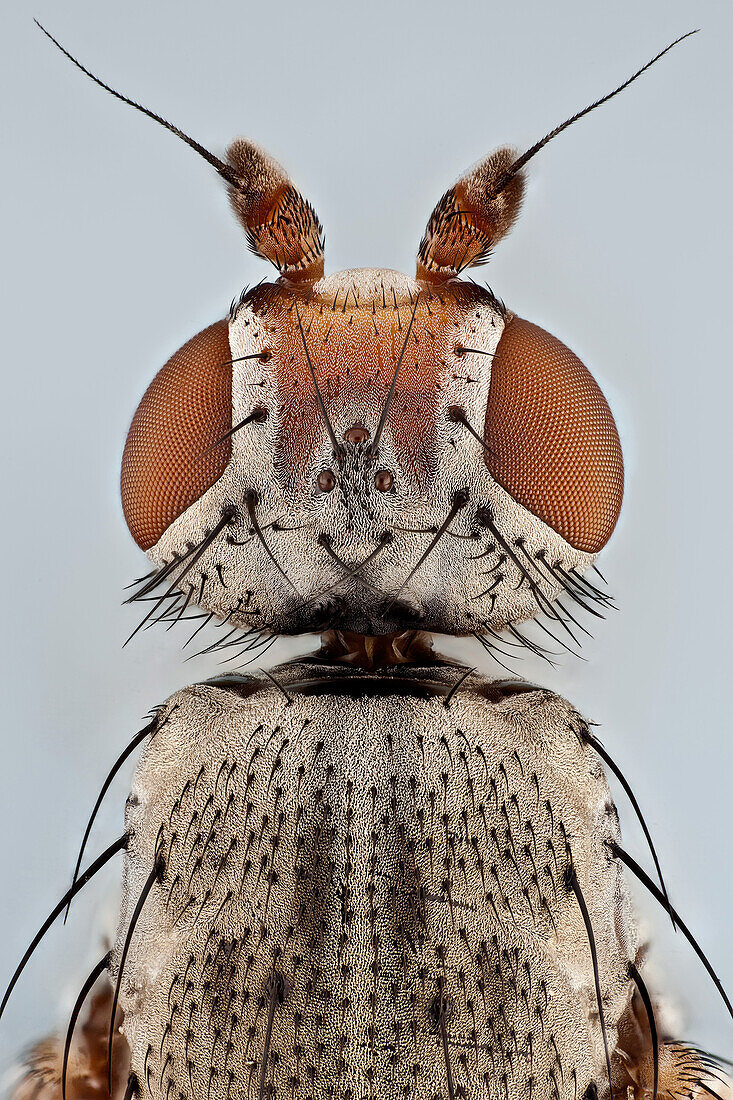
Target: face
{"x": 368, "y": 452}
{"x": 374, "y": 453}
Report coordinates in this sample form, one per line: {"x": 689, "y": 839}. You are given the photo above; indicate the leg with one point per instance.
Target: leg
{"x": 86, "y": 1076}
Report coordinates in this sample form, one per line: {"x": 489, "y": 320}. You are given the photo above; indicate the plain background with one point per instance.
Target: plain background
{"x": 118, "y": 245}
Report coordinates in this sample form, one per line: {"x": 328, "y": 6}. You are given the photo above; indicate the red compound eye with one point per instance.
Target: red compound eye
{"x": 171, "y": 457}
{"x": 553, "y": 443}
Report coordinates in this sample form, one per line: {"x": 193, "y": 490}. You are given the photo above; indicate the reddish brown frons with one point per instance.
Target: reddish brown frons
{"x": 355, "y": 332}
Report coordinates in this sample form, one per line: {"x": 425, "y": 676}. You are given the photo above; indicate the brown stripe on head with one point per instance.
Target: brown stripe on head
{"x": 355, "y": 325}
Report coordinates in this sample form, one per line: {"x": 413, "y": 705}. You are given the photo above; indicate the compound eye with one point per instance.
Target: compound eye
{"x": 173, "y": 454}
{"x": 552, "y": 441}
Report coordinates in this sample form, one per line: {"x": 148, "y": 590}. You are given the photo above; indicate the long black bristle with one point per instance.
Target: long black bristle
{"x": 90, "y": 982}
{"x": 491, "y": 650}
{"x": 647, "y": 1001}
{"x": 206, "y": 619}
{"x": 457, "y": 686}
{"x": 152, "y": 878}
{"x": 654, "y": 890}
{"x": 133, "y": 1087}
{"x": 458, "y": 416}
{"x": 374, "y": 445}
{"x": 275, "y": 996}
{"x": 460, "y": 500}
{"x": 251, "y": 502}
{"x": 256, "y": 417}
{"x": 598, "y": 747}
{"x": 155, "y": 579}
{"x": 350, "y": 571}
{"x": 575, "y": 887}
{"x": 279, "y": 687}
{"x": 182, "y": 611}
{"x": 337, "y": 449}
{"x": 443, "y": 1028}
{"x": 137, "y": 740}
{"x": 227, "y": 516}
{"x": 81, "y": 882}
{"x": 543, "y": 602}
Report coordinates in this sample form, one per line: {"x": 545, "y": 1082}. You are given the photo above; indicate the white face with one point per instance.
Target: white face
{"x": 302, "y": 523}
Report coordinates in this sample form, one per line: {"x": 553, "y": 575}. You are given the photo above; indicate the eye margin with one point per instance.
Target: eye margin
{"x": 175, "y": 450}
{"x": 551, "y": 440}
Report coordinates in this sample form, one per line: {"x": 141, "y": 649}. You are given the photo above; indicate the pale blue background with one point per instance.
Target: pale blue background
{"x": 117, "y": 245}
